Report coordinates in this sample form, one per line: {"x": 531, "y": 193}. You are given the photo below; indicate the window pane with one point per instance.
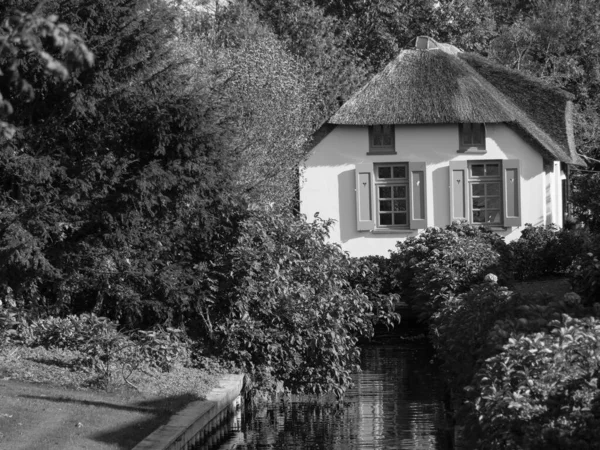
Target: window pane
{"x": 478, "y": 189}
{"x": 385, "y": 192}
{"x": 399, "y": 172}
{"x": 479, "y": 202}
{"x": 385, "y": 219}
{"x": 493, "y": 189}
{"x": 400, "y": 205}
{"x": 385, "y": 172}
{"x": 477, "y": 170}
{"x": 466, "y": 133}
{"x": 377, "y": 140}
{"x": 385, "y": 205}
{"x": 399, "y": 191}
{"x": 493, "y": 216}
{"x": 479, "y": 216}
{"x": 477, "y": 133}
{"x": 492, "y": 170}
{"x": 400, "y": 219}
{"x": 387, "y": 132}
{"x": 492, "y": 203}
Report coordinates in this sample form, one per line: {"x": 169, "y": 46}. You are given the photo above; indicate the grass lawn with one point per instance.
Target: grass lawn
{"x": 48, "y": 403}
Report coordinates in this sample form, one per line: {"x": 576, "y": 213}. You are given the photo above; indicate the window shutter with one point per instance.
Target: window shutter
{"x": 364, "y": 195}
{"x": 458, "y": 190}
{"x": 511, "y": 192}
{"x": 418, "y": 195}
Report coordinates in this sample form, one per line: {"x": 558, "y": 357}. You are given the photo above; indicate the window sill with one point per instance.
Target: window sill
{"x": 492, "y": 227}
{"x": 392, "y": 231}
{"x": 472, "y": 151}
{"x": 383, "y": 152}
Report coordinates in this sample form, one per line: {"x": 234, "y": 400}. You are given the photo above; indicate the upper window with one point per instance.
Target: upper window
{"x": 391, "y": 191}
{"x": 471, "y": 136}
{"x": 381, "y": 139}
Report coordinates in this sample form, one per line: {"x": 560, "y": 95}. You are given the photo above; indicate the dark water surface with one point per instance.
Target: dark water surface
{"x": 397, "y": 403}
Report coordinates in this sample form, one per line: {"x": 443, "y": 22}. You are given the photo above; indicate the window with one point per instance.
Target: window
{"x": 381, "y": 139}
{"x": 485, "y": 192}
{"x": 471, "y": 136}
{"x": 391, "y": 196}
{"x": 391, "y": 191}
{"x": 485, "y": 199}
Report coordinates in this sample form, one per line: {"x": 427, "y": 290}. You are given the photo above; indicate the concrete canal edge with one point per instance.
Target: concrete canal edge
{"x": 186, "y": 426}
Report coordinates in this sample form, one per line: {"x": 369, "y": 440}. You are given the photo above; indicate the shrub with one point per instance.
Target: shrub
{"x": 379, "y": 279}
{"x": 106, "y": 350}
{"x": 163, "y": 349}
{"x": 71, "y": 332}
{"x": 531, "y": 255}
{"x": 541, "y": 392}
{"x": 440, "y": 263}
{"x": 545, "y": 250}
{"x": 460, "y": 347}
{"x": 585, "y": 276}
{"x": 289, "y": 311}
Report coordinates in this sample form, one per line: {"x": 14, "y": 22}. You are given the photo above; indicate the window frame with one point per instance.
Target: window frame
{"x": 376, "y": 131}
{"x": 460, "y": 197}
{"x": 466, "y": 129}
{"x": 391, "y": 182}
{"x": 366, "y": 209}
{"x": 485, "y": 180}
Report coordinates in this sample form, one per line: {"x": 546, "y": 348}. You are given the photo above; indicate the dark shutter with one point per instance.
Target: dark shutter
{"x": 459, "y": 194}
{"x": 511, "y": 192}
{"x": 418, "y": 195}
{"x": 364, "y": 197}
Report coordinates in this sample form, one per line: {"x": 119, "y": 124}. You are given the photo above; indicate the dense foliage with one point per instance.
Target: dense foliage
{"x": 96, "y": 343}
{"x": 528, "y": 362}
{"x": 547, "y": 251}
{"x": 129, "y": 189}
{"x": 439, "y": 263}
{"x": 585, "y": 273}
{"x": 125, "y": 190}
{"x": 541, "y": 391}
{"x": 290, "y": 312}
{"x": 46, "y": 41}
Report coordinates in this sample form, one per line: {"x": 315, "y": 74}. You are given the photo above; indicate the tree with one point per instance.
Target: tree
{"x": 117, "y": 187}
{"x": 30, "y": 35}
{"x": 273, "y": 101}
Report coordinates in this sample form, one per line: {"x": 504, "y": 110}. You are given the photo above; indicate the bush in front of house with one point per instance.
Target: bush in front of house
{"x": 545, "y": 250}
{"x": 440, "y": 263}
{"x": 380, "y": 279}
{"x": 459, "y": 330}
{"x": 289, "y": 312}
{"x": 585, "y": 276}
{"x": 541, "y": 391}
{"x": 531, "y": 255}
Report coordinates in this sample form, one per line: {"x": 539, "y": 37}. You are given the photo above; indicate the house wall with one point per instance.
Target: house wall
{"x": 328, "y": 180}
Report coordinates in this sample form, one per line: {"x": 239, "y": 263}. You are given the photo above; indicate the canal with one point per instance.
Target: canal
{"x": 397, "y": 403}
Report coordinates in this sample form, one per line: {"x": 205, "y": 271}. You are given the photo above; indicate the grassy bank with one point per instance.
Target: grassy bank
{"x": 49, "y": 400}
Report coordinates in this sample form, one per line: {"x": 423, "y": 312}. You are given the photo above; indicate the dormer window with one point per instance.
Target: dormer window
{"x": 381, "y": 139}
{"x": 471, "y": 136}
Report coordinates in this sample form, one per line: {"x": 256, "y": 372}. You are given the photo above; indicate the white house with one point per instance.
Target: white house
{"x": 440, "y": 135}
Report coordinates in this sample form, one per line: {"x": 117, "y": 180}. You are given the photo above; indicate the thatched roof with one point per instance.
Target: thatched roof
{"x": 444, "y": 85}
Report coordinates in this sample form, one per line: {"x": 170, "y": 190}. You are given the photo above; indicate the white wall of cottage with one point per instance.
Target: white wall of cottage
{"x": 328, "y": 180}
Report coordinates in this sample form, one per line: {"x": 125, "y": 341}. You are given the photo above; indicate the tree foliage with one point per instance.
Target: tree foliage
{"x": 33, "y": 38}
{"x": 290, "y": 312}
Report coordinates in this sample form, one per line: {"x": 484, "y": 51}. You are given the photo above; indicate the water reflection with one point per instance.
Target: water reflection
{"x": 396, "y": 404}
